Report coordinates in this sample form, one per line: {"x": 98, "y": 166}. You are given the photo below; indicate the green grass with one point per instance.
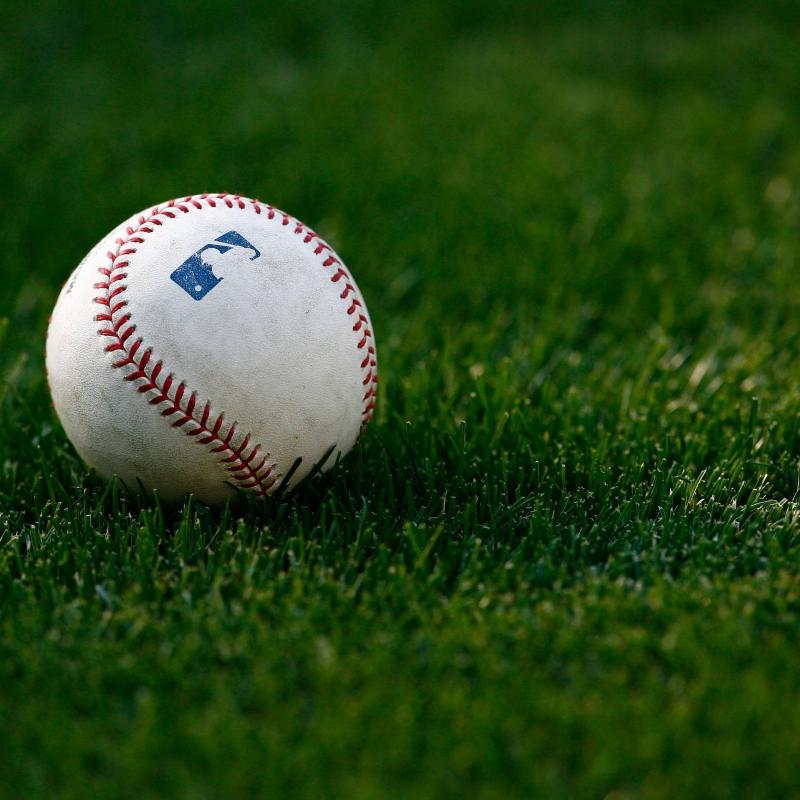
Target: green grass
{"x": 564, "y": 562}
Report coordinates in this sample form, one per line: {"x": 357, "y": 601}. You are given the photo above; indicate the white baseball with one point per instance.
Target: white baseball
{"x": 206, "y": 345}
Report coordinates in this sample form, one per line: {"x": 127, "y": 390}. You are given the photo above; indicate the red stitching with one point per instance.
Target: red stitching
{"x": 203, "y": 427}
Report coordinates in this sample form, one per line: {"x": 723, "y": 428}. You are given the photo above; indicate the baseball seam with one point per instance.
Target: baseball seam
{"x": 242, "y": 458}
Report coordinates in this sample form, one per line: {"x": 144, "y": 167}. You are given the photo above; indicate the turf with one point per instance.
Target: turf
{"x": 564, "y": 562}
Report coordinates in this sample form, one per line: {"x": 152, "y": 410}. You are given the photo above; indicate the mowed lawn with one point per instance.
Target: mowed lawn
{"x": 564, "y": 561}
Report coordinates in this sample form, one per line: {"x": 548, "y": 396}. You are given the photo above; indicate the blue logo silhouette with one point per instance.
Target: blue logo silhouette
{"x": 196, "y": 276}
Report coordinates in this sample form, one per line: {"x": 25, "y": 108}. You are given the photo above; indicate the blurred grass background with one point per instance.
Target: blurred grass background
{"x": 564, "y": 560}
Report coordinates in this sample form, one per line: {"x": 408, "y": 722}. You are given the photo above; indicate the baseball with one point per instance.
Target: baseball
{"x": 211, "y": 345}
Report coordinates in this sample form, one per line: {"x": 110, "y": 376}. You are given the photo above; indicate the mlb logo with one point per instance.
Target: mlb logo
{"x": 196, "y": 276}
